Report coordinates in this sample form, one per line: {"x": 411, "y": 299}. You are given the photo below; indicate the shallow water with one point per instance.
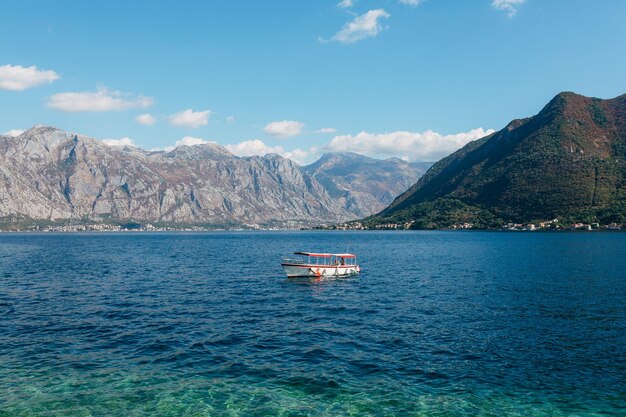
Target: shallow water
{"x": 438, "y": 324}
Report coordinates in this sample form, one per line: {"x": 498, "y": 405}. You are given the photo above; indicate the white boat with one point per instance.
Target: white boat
{"x": 321, "y": 265}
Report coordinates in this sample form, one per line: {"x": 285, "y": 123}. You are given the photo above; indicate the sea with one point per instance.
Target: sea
{"x": 207, "y": 324}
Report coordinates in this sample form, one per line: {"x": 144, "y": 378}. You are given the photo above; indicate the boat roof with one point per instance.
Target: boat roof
{"x": 326, "y": 255}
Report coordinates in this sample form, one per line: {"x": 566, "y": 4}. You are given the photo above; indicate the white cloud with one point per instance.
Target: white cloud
{"x": 427, "y": 146}
{"x": 191, "y": 141}
{"x": 101, "y": 100}
{"x": 231, "y": 119}
{"x": 258, "y": 147}
{"x": 410, "y": 146}
{"x": 18, "y": 78}
{"x": 303, "y": 156}
{"x": 185, "y": 141}
{"x": 254, "y": 147}
{"x": 13, "y": 133}
{"x": 411, "y": 2}
{"x": 508, "y": 6}
{"x": 125, "y": 141}
{"x": 145, "y": 119}
{"x": 326, "y": 130}
{"x": 364, "y": 26}
{"x": 189, "y": 118}
{"x": 284, "y": 129}
{"x": 345, "y": 3}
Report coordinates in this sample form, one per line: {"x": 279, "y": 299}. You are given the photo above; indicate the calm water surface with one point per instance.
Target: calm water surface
{"x": 438, "y": 324}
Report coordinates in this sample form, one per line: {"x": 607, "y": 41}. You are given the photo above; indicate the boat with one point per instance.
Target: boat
{"x": 310, "y": 264}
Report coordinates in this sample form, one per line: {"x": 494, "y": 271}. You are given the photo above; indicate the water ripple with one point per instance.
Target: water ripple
{"x": 439, "y": 324}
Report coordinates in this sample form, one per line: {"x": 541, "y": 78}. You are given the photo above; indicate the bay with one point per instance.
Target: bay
{"x": 438, "y": 324}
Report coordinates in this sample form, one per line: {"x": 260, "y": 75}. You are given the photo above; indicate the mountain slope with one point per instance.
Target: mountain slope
{"x": 47, "y": 174}
{"x": 364, "y": 185}
{"x": 566, "y": 162}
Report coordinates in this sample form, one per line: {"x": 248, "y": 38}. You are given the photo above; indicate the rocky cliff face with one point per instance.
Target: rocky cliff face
{"x": 365, "y": 185}
{"x": 46, "y": 173}
{"x": 50, "y": 174}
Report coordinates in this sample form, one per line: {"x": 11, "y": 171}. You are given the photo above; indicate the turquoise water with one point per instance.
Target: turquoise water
{"x": 438, "y": 324}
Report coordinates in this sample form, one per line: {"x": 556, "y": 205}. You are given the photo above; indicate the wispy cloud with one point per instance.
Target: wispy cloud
{"x": 231, "y": 119}
{"x": 326, "y": 130}
{"x": 258, "y": 147}
{"x": 146, "y": 119}
{"x": 190, "y": 119}
{"x": 411, "y": 2}
{"x": 508, "y": 6}
{"x": 345, "y": 3}
{"x": 364, "y": 26}
{"x": 284, "y": 129}
{"x": 101, "y": 100}
{"x": 13, "y": 133}
{"x": 18, "y": 78}
{"x": 303, "y": 156}
{"x": 254, "y": 147}
{"x": 125, "y": 141}
{"x": 426, "y": 146}
{"x": 191, "y": 141}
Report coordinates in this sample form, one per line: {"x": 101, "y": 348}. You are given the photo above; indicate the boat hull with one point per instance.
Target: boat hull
{"x": 294, "y": 270}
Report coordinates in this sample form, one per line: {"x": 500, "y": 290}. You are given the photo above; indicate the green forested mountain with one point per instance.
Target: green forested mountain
{"x": 567, "y": 162}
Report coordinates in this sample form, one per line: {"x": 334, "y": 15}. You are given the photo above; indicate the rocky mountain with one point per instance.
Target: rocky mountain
{"x": 48, "y": 175}
{"x": 566, "y": 162}
{"x": 364, "y": 185}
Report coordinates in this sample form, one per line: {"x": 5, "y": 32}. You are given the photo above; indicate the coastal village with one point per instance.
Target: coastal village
{"x": 148, "y": 227}
{"x": 514, "y": 227}
{"x": 551, "y": 225}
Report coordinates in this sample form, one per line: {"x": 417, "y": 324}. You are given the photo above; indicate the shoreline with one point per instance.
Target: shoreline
{"x": 198, "y": 231}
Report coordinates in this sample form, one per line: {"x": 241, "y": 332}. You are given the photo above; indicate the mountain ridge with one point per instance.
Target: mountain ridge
{"x": 365, "y": 184}
{"x": 565, "y": 162}
{"x": 50, "y": 175}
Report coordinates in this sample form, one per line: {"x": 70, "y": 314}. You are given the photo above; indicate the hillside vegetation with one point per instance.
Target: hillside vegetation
{"x": 566, "y": 163}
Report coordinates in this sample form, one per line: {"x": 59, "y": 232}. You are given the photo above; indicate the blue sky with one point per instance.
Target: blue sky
{"x": 407, "y": 78}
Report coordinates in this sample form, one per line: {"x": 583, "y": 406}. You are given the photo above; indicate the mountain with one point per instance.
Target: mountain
{"x": 364, "y": 185}
{"x": 567, "y": 162}
{"x": 48, "y": 175}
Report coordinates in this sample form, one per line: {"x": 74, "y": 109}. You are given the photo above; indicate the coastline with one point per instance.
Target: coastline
{"x": 263, "y": 230}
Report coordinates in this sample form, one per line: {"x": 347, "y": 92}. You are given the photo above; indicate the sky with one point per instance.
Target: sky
{"x": 414, "y": 79}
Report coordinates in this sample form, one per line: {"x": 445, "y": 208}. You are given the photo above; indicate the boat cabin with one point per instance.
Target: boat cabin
{"x": 324, "y": 259}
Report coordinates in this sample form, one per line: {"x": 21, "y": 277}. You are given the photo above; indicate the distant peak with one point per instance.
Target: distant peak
{"x": 43, "y": 129}
{"x": 568, "y": 94}
{"x": 273, "y": 155}
{"x": 279, "y": 159}
{"x": 47, "y": 134}
{"x": 215, "y": 147}
{"x": 562, "y": 103}
{"x": 343, "y": 155}
{"x": 200, "y": 151}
